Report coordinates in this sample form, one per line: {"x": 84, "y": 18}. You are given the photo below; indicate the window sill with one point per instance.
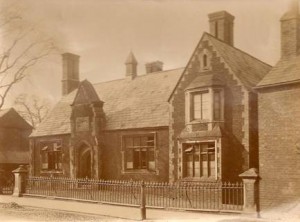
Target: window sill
{"x": 204, "y": 121}
{"x": 138, "y": 171}
{"x": 199, "y": 121}
{"x": 51, "y": 172}
{"x": 199, "y": 179}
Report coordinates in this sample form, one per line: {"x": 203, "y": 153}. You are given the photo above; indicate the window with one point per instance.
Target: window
{"x": 204, "y": 60}
{"x": 51, "y": 155}
{"x": 217, "y": 105}
{"x": 200, "y": 106}
{"x": 139, "y": 152}
{"x": 200, "y": 160}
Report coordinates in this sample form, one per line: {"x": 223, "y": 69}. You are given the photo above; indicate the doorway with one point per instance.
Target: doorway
{"x": 85, "y": 164}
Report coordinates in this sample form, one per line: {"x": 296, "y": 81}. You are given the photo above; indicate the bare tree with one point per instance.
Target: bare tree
{"x": 32, "y": 108}
{"x": 23, "y": 47}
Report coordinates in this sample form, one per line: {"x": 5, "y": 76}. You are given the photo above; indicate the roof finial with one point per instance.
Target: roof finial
{"x": 131, "y": 66}
{"x": 130, "y": 59}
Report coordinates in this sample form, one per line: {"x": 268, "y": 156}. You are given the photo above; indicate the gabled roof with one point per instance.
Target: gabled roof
{"x": 286, "y": 71}
{"x": 11, "y": 118}
{"x": 128, "y": 104}
{"x": 248, "y": 69}
{"x": 86, "y": 93}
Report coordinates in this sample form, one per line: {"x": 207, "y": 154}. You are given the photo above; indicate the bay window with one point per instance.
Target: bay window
{"x": 199, "y": 160}
{"x": 200, "y": 105}
{"x": 204, "y": 105}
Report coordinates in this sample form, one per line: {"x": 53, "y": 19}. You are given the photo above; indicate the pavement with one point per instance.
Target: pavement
{"x": 123, "y": 212}
{"x": 289, "y": 212}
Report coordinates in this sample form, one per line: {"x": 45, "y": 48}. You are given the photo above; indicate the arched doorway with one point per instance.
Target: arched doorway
{"x": 85, "y": 164}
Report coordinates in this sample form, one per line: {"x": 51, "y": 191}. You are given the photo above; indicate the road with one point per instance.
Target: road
{"x": 18, "y": 213}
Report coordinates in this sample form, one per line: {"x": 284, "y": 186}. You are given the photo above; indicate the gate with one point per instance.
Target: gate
{"x": 7, "y": 182}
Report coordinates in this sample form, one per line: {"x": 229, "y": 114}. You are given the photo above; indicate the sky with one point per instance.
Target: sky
{"x": 103, "y": 33}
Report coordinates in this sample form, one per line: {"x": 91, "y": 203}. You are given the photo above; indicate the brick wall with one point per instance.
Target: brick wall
{"x": 279, "y": 158}
{"x": 112, "y": 156}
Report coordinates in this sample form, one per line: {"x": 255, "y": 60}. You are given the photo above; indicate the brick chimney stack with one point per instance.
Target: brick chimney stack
{"x": 221, "y": 26}
{"x": 70, "y": 79}
{"x": 290, "y": 31}
{"x": 131, "y": 65}
{"x": 154, "y": 67}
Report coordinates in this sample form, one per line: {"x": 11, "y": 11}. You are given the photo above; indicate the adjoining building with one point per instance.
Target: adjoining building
{"x": 14, "y": 140}
{"x": 197, "y": 123}
{"x": 279, "y": 120}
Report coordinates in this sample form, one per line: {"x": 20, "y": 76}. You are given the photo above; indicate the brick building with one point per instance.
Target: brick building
{"x": 14, "y": 140}
{"x": 279, "y": 120}
{"x": 194, "y": 123}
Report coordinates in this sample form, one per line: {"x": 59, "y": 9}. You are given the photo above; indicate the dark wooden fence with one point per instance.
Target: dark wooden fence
{"x": 215, "y": 196}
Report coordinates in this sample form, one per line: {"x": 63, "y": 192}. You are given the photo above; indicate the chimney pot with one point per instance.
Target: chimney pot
{"x": 221, "y": 26}
{"x": 70, "y": 78}
{"x": 290, "y": 31}
{"x": 155, "y": 66}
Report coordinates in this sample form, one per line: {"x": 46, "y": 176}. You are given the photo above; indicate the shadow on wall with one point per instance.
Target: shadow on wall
{"x": 235, "y": 158}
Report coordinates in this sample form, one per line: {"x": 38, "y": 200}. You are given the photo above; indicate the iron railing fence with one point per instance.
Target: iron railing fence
{"x": 121, "y": 192}
{"x": 218, "y": 196}
{"x": 214, "y": 196}
{"x": 6, "y": 190}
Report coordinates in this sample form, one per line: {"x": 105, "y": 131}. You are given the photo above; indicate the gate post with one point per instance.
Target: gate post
{"x": 1, "y": 180}
{"x": 20, "y": 180}
{"x": 143, "y": 201}
{"x": 250, "y": 181}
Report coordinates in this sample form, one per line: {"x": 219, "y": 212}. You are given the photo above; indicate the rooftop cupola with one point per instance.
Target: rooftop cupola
{"x": 290, "y": 31}
{"x": 221, "y": 26}
{"x": 131, "y": 66}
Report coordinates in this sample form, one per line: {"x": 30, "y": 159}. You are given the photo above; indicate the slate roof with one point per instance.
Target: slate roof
{"x": 215, "y": 132}
{"x": 247, "y": 68}
{"x": 138, "y": 103}
{"x": 284, "y": 72}
{"x": 205, "y": 79}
